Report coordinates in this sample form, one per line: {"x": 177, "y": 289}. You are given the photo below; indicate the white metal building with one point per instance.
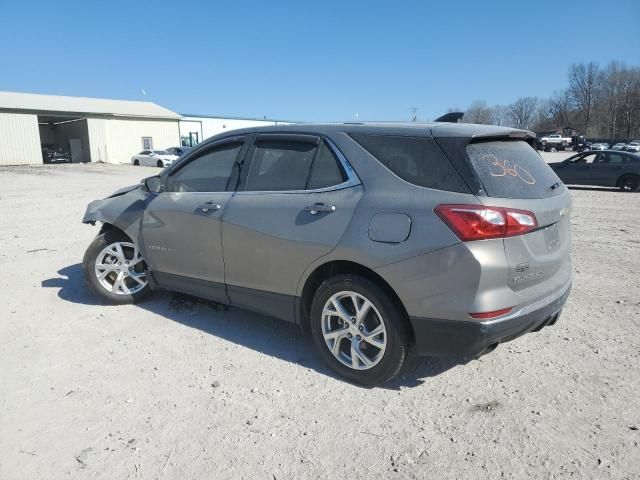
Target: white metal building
{"x": 90, "y": 129}
{"x": 196, "y": 128}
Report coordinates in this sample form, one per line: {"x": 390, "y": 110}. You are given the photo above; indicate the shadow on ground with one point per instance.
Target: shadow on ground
{"x": 267, "y": 335}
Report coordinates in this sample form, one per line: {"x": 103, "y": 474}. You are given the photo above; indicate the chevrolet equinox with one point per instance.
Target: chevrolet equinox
{"x": 381, "y": 240}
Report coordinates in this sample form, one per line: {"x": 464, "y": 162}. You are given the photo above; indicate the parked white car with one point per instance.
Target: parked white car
{"x": 153, "y": 158}
{"x": 619, "y": 146}
{"x": 599, "y": 146}
{"x": 633, "y": 146}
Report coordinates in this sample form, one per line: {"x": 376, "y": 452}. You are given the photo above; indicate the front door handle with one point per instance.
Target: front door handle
{"x": 210, "y": 207}
{"x": 320, "y": 207}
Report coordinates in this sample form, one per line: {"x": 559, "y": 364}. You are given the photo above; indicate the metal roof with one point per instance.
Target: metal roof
{"x": 187, "y": 116}
{"x": 82, "y": 105}
{"x": 417, "y": 129}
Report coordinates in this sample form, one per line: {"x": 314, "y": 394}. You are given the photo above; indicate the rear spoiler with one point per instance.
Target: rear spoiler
{"x": 525, "y": 135}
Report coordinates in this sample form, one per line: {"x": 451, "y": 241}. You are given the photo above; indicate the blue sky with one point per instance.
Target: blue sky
{"x": 315, "y": 61}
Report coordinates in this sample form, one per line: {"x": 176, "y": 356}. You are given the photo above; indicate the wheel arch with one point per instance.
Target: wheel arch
{"x": 108, "y": 227}
{"x": 626, "y": 175}
{"x": 340, "y": 267}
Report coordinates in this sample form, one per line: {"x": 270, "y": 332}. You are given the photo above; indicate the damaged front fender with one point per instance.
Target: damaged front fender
{"x": 123, "y": 209}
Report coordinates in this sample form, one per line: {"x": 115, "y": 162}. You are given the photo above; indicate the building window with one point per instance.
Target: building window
{"x": 147, "y": 143}
{"x": 189, "y": 141}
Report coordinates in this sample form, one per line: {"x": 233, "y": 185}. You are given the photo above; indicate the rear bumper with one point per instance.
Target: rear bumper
{"x": 473, "y": 338}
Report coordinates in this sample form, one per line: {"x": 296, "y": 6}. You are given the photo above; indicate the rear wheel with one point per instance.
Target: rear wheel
{"x": 160, "y": 164}
{"x": 136, "y": 163}
{"x": 359, "y": 331}
{"x": 629, "y": 183}
{"x": 115, "y": 269}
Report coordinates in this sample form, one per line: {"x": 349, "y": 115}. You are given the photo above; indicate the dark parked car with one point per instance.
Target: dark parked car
{"x": 609, "y": 168}
{"x": 54, "y": 154}
{"x": 179, "y": 151}
{"x": 380, "y": 239}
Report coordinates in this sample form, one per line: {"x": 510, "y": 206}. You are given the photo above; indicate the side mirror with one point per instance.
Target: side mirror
{"x": 152, "y": 184}
{"x": 152, "y": 154}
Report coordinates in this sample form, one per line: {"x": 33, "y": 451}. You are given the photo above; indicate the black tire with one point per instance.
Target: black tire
{"x": 629, "y": 183}
{"x": 136, "y": 163}
{"x": 399, "y": 348}
{"x": 89, "y": 266}
{"x": 160, "y": 164}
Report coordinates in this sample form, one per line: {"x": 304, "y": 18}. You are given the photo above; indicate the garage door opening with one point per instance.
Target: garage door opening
{"x": 64, "y": 139}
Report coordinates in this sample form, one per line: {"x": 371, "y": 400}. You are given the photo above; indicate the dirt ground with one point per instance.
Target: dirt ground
{"x": 181, "y": 390}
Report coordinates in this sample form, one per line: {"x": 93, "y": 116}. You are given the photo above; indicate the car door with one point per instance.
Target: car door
{"x": 296, "y": 198}
{"x": 580, "y": 171}
{"x": 615, "y": 165}
{"x": 601, "y": 171}
{"x": 181, "y": 229}
{"x": 147, "y": 159}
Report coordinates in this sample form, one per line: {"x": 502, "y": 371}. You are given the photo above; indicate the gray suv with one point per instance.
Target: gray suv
{"x": 382, "y": 240}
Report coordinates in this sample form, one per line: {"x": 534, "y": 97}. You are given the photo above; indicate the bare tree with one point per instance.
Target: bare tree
{"x": 478, "y": 112}
{"x": 523, "y": 112}
{"x": 630, "y": 108}
{"x": 602, "y": 102}
{"x": 498, "y": 115}
{"x": 557, "y": 109}
{"x": 585, "y": 87}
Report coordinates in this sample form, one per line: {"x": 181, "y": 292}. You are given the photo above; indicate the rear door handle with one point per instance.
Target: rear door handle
{"x": 210, "y": 207}
{"x": 320, "y": 207}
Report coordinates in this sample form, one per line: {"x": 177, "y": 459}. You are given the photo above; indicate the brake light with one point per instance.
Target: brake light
{"x": 478, "y": 222}
{"x": 494, "y": 314}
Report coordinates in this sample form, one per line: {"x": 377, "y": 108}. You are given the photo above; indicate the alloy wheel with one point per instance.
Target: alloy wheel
{"x": 354, "y": 330}
{"x": 121, "y": 269}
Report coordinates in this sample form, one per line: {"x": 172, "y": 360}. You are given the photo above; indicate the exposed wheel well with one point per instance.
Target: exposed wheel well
{"x": 106, "y": 227}
{"x": 339, "y": 267}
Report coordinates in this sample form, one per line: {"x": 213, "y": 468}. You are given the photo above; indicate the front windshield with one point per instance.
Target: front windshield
{"x": 161, "y": 152}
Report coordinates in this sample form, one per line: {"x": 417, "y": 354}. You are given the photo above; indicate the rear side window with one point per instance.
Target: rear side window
{"x": 512, "y": 169}
{"x": 280, "y": 165}
{"x": 326, "y": 171}
{"x": 616, "y": 158}
{"x": 417, "y": 160}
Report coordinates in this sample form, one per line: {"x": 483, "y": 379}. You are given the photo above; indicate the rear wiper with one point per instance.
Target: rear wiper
{"x": 554, "y": 186}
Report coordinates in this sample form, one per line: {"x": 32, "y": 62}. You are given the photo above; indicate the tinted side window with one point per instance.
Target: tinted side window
{"x": 280, "y": 165}
{"x": 327, "y": 170}
{"x": 616, "y": 158}
{"x": 417, "y": 160}
{"x": 210, "y": 172}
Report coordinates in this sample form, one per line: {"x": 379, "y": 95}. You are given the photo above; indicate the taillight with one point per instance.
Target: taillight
{"x": 477, "y": 222}
{"x": 487, "y": 315}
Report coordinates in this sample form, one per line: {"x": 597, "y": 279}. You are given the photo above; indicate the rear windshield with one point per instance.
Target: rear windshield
{"x": 512, "y": 169}
{"x": 417, "y": 160}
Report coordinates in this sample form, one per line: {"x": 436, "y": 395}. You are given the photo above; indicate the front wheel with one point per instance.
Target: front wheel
{"x": 115, "y": 269}
{"x": 359, "y": 331}
{"x": 160, "y": 164}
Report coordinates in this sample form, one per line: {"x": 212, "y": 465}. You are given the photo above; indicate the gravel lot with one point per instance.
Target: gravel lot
{"x": 176, "y": 389}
